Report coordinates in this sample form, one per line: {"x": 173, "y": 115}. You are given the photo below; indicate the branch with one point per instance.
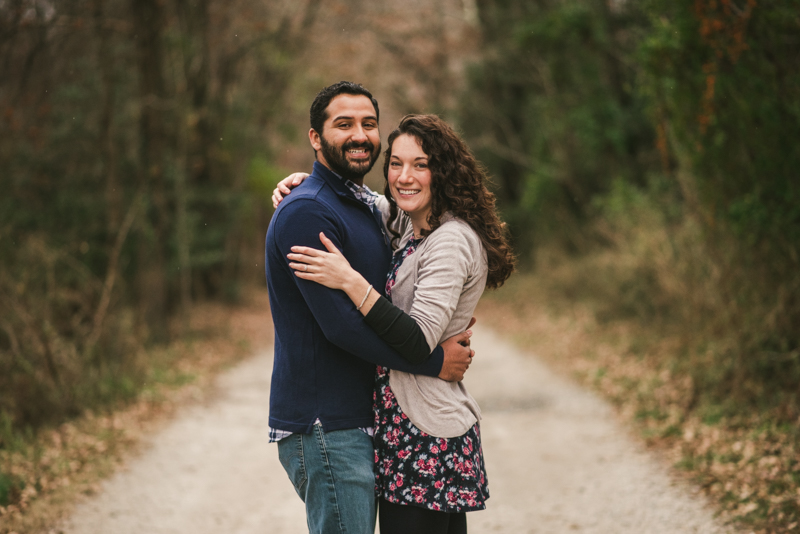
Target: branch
{"x": 37, "y": 335}
{"x": 111, "y": 274}
{"x": 506, "y": 152}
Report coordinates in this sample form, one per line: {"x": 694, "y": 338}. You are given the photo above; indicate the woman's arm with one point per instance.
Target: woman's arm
{"x": 300, "y": 222}
{"x": 450, "y": 277}
{"x": 397, "y": 329}
{"x": 331, "y": 269}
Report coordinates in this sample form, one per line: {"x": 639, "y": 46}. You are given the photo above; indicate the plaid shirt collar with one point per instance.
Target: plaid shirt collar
{"x": 361, "y": 192}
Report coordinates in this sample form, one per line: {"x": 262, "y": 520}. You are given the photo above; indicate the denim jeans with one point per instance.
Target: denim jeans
{"x": 333, "y": 474}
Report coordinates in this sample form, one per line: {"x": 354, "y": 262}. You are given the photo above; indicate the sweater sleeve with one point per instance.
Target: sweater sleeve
{"x": 398, "y": 330}
{"x": 442, "y": 272}
{"x": 300, "y": 224}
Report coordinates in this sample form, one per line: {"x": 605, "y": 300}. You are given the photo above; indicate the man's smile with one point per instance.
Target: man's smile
{"x": 358, "y": 152}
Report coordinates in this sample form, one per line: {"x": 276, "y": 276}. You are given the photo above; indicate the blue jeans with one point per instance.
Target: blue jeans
{"x": 333, "y": 473}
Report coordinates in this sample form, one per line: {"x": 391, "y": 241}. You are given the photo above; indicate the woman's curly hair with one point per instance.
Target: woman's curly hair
{"x": 458, "y": 186}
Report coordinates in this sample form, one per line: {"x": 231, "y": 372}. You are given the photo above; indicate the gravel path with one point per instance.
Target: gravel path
{"x": 556, "y": 458}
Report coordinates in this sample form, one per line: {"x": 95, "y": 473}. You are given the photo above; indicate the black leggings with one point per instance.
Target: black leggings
{"x": 404, "y": 519}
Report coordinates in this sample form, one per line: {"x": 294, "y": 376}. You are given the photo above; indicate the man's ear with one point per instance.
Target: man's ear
{"x": 313, "y": 136}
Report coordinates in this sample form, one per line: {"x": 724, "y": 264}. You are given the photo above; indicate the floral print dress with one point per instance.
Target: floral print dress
{"x": 415, "y": 468}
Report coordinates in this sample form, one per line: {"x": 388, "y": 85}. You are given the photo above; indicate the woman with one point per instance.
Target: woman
{"x": 449, "y": 244}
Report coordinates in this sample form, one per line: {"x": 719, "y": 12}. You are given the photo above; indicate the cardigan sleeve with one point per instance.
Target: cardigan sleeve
{"x": 443, "y": 270}
{"x": 336, "y": 315}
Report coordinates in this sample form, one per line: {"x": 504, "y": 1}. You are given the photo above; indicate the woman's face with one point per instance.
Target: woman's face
{"x": 409, "y": 177}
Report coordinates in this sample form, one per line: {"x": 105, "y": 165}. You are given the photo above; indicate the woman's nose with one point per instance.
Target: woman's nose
{"x": 405, "y": 175}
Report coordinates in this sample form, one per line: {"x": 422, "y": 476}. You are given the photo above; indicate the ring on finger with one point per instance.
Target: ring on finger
{"x": 305, "y": 267}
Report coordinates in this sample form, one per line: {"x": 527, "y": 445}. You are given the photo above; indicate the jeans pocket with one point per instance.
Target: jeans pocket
{"x": 290, "y": 454}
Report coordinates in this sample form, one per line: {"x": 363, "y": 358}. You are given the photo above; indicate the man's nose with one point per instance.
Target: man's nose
{"x": 359, "y": 134}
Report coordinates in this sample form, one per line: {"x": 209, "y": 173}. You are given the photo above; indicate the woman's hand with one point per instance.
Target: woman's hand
{"x": 286, "y": 185}
{"x": 330, "y": 269}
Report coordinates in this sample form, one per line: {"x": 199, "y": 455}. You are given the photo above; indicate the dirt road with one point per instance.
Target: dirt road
{"x": 556, "y": 458}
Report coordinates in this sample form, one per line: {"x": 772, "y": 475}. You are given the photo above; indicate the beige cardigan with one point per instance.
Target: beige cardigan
{"x": 438, "y": 286}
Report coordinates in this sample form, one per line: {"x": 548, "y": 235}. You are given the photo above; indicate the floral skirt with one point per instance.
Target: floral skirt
{"x": 442, "y": 474}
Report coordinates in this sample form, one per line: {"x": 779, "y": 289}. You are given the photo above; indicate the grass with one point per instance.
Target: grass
{"x": 43, "y": 474}
{"x": 745, "y": 455}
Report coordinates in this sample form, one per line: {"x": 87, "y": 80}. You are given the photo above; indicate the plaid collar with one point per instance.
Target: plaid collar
{"x": 369, "y": 198}
{"x": 361, "y": 192}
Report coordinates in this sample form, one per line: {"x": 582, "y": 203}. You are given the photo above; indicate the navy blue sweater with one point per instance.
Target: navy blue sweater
{"x": 325, "y": 353}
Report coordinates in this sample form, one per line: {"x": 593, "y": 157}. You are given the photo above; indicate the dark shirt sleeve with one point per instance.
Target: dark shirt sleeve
{"x": 300, "y": 223}
{"x": 398, "y": 329}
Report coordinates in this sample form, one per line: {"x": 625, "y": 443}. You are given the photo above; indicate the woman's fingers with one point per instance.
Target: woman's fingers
{"x": 302, "y": 267}
{"x": 303, "y": 259}
{"x": 285, "y": 186}
{"x": 329, "y": 244}
{"x": 308, "y": 251}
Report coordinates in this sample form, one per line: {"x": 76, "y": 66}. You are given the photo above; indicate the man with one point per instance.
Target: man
{"x": 325, "y": 354}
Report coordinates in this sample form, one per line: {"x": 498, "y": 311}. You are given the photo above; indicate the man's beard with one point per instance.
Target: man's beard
{"x": 337, "y": 158}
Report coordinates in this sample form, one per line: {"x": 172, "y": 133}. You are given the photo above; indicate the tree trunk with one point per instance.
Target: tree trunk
{"x": 108, "y": 159}
{"x": 152, "y": 277}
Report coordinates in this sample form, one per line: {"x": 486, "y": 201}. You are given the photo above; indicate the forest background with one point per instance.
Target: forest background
{"x": 645, "y": 155}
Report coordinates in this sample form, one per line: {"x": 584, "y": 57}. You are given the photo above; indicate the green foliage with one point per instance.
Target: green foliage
{"x": 125, "y": 188}
{"x": 10, "y": 488}
{"x": 656, "y": 143}
{"x": 263, "y": 177}
{"x": 731, "y": 104}
{"x": 723, "y": 83}
{"x": 554, "y": 113}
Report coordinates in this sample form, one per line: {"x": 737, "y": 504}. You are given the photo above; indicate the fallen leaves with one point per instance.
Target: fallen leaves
{"x": 748, "y": 463}
{"x": 58, "y": 465}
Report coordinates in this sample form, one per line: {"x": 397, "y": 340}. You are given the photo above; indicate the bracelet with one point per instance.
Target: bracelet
{"x": 358, "y": 308}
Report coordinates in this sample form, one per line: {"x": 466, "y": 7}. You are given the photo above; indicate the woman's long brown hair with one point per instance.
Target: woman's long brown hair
{"x": 458, "y": 186}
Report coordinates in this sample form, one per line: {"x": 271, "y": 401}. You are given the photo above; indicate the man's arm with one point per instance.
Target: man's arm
{"x": 300, "y": 223}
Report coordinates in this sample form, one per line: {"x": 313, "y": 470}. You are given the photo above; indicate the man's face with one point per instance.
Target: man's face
{"x": 350, "y": 142}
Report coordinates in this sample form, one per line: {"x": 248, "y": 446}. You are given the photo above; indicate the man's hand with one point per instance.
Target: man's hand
{"x": 457, "y": 356}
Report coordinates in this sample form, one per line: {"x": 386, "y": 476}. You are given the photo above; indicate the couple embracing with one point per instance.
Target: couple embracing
{"x": 372, "y": 298}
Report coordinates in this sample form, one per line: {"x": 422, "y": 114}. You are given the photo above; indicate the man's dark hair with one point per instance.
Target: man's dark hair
{"x": 319, "y": 108}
